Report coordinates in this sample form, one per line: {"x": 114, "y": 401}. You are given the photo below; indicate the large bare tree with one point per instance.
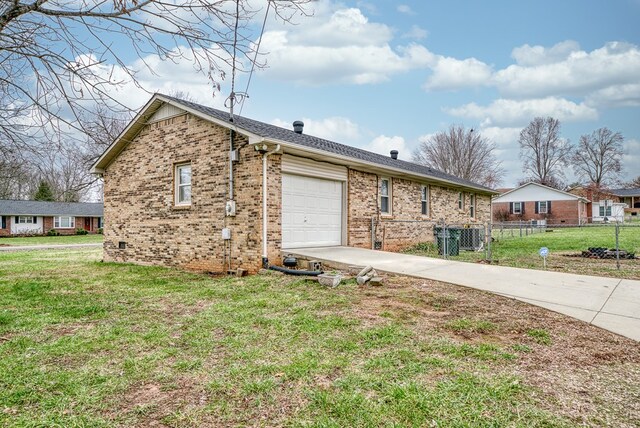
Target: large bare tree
{"x": 598, "y": 157}
{"x": 544, "y": 152}
{"x": 462, "y": 152}
{"x": 60, "y": 58}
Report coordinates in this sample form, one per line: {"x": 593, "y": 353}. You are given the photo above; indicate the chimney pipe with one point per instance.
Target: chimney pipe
{"x": 394, "y": 154}
{"x": 297, "y": 126}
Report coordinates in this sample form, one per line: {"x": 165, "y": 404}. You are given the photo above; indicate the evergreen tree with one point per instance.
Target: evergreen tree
{"x": 44, "y": 192}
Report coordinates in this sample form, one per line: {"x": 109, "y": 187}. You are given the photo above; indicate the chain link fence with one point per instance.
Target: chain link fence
{"x": 605, "y": 249}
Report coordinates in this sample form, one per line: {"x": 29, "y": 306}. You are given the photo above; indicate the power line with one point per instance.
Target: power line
{"x": 253, "y": 64}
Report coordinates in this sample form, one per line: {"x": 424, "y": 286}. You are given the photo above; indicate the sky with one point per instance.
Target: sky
{"x": 385, "y": 75}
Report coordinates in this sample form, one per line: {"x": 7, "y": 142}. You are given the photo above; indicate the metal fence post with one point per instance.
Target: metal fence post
{"x": 617, "y": 245}
{"x": 373, "y": 233}
{"x": 520, "y": 228}
{"x": 488, "y": 237}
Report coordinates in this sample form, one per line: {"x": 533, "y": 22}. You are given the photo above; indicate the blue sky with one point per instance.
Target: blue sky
{"x": 384, "y": 75}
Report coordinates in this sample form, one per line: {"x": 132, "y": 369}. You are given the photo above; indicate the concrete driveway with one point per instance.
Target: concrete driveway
{"x": 610, "y": 303}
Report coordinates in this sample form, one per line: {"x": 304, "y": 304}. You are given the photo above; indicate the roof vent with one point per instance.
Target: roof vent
{"x": 297, "y": 126}
{"x": 394, "y": 154}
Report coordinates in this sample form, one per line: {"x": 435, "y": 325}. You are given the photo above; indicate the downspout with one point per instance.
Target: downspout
{"x": 265, "y": 259}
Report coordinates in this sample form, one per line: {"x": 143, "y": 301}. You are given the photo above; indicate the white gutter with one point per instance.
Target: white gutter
{"x": 264, "y": 201}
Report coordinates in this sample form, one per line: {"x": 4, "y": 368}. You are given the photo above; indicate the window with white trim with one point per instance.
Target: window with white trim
{"x": 23, "y": 219}
{"x": 64, "y": 222}
{"x": 424, "y": 200}
{"x": 517, "y": 207}
{"x": 542, "y": 207}
{"x": 605, "y": 211}
{"x": 385, "y": 196}
{"x": 183, "y": 184}
{"x": 472, "y": 205}
{"x": 461, "y": 201}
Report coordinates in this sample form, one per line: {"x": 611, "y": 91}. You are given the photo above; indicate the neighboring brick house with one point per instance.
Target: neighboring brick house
{"x": 631, "y": 200}
{"x": 533, "y": 201}
{"x": 185, "y": 186}
{"x": 39, "y": 217}
{"x": 604, "y": 204}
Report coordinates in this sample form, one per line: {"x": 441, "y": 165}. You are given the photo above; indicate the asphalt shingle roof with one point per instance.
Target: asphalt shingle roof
{"x": 626, "y": 192}
{"x": 268, "y": 131}
{"x": 37, "y": 208}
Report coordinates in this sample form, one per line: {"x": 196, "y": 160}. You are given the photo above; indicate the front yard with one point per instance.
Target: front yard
{"x": 51, "y": 240}
{"x": 565, "y": 246}
{"x": 86, "y": 343}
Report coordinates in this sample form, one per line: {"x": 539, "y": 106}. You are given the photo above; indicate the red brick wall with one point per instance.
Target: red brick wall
{"x": 562, "y": 212}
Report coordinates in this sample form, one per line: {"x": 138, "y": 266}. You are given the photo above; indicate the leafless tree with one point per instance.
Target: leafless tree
{"x": 544, "y": 152}
{"x": 463, "y": 153}
{"x": 632, "y": 184}
{"x": 598, "y": 157}
{"x": 59, "y": 58}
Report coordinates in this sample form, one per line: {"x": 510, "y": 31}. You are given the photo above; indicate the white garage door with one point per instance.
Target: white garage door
{"x": 311, "y": 212}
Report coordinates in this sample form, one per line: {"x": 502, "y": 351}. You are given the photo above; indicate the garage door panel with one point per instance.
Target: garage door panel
{"x": 312, "y": 212}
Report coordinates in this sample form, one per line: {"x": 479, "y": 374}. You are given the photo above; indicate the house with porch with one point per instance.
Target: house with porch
{"x": 190, "y": 186}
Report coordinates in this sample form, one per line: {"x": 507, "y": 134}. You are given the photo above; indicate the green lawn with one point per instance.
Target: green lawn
{"x": 51, "y": 240}
{"x": 85, "y": 343}
{"x": 509, "y": 249}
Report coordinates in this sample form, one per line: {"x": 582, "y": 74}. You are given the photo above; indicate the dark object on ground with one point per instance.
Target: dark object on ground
{"x": 295, "y": 272}
{"x": 604, "y": 253}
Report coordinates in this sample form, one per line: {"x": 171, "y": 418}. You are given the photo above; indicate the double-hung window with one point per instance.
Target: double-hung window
{"x": 517, "y": 207}
{"x": 183, "y": 184}
{"x": 385, "y": 196}
{"x": 64, "y": 222}
{"x": 26, "y": 220}
{"x": 472, "y": 205}
{"x": 461, "y": 201}
{"x": 542, "y": 207}
{"x": 424, "y": 200}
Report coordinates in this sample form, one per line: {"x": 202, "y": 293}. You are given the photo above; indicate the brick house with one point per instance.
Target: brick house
{"x": 533, "y": 201}
{"x": 39, "y": 217}
{"x": 604, "y": 204}
{"x": 186, "y": 186}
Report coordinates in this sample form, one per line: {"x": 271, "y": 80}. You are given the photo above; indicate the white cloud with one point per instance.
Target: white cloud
{"x": 416, "y": 33}
{"x": 406, "y": 9}
{"x": 539, "y": 55}
{"x": 616, "y": 96}
{"x": 631, "y": 157}
{"x": 341, "y": 48}
{"x": 383, "y": 146}
{"x": 503, "y": 112}
{"x": 502, "y": 137}
{"x": 338, "y": 129}
{"x": 580, "y": 73}
{"x": 450, "y": 73}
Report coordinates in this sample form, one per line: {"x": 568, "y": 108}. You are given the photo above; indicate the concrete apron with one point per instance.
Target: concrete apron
{"x": 609, "y": 303}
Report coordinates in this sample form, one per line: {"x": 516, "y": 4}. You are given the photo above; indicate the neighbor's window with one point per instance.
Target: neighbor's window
{"x": 64, "y": 222}
{"x": 183, "y": 184}
{"x": 542, "y": 207}
{"x": 461, "y": 201}
{"x": 605, "y": 213}
{"x": 26, "y": 219}
{"x": 424, "y": 199}
{"x": 517, "y": 207}
{"x": 472, "y": 205}
{"x": 385, "y": 196}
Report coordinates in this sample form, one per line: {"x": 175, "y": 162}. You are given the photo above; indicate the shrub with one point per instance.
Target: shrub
{"x": 53, "y": 232}
{"x": 99, "y": 231}
{"x": 81, "y": 232}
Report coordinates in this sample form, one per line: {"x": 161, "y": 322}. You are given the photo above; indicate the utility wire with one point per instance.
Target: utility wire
{"x": 253, "y": 64}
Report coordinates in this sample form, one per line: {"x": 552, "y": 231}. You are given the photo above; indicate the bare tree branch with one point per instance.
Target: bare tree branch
{"x": 463, "y": 153}
{"x": 598, "y": 157}
{"x": 543, "y": 152}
